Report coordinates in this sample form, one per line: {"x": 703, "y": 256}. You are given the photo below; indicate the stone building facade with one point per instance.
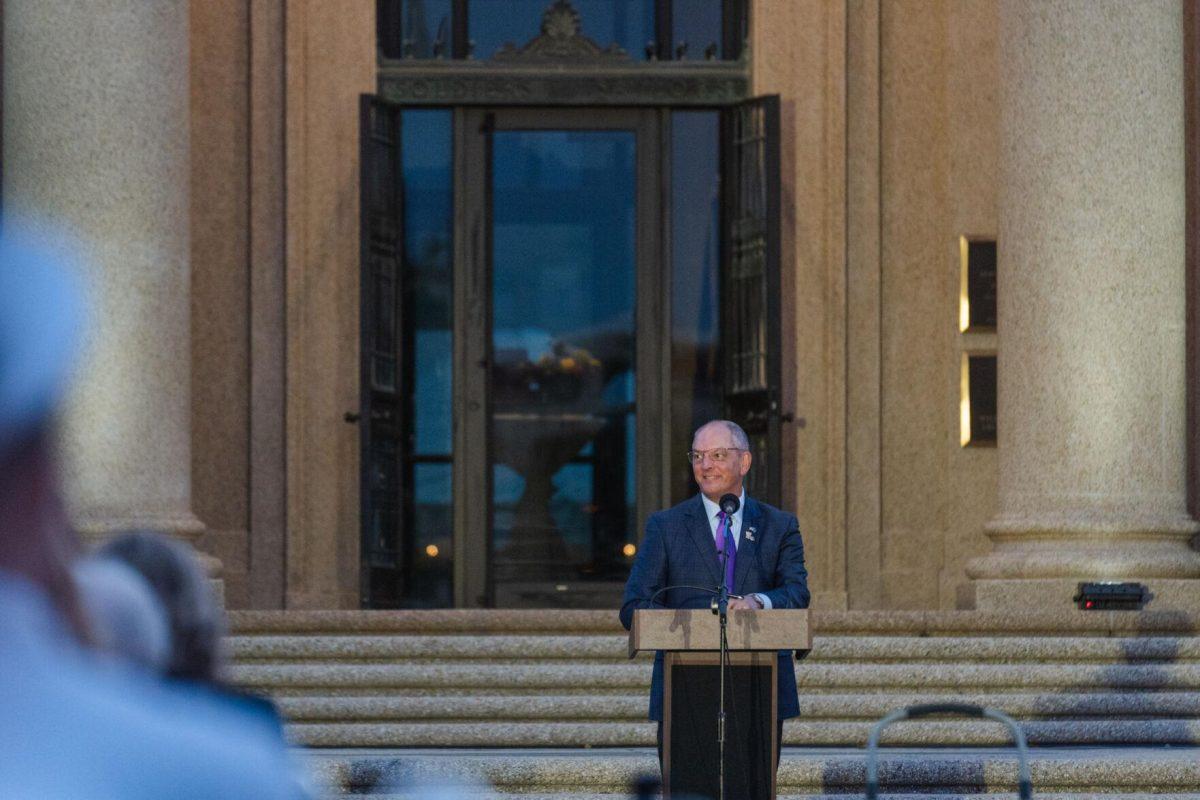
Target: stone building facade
{"x": 208, "y": 156}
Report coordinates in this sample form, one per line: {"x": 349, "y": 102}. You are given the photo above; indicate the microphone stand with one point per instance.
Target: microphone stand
{"x": 720, "y": 607}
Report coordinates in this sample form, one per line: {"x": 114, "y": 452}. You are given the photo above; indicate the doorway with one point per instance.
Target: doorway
{"x": 553, "y": 299}
{"x": 564, "y": 384}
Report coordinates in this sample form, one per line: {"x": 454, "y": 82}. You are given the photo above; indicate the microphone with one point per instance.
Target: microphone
{"x": 729, "y": 504}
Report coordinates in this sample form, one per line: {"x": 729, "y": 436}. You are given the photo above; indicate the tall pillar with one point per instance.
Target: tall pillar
{"x": 1091, "y": 306}
{"x": 96, "y": 100}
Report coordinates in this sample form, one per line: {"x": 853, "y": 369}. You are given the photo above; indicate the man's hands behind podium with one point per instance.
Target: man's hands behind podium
{"x": 746, "y": 603}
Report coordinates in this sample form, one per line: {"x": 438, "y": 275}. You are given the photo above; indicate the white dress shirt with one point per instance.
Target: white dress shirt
{"x": 735, "y": 527}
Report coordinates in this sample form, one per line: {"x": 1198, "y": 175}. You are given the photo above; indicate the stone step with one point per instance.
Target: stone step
{"x": 562, "y": 679}
{"x": 1129, "y": 772}
{"x": 857, "y": 623}
{"x": 628, "y": 708}
{"x": 575, "y": 678}
{"x": 394, "y": 647}
{"x": 859, "y": 649}
{"x": 575, "y": 733}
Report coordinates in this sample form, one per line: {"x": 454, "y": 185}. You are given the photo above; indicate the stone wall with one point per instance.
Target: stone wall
{"x": 890, "y": 150}
{"x": 274, "y": 99}
{"x": 220, "y": 284}
{"x": 330, "y": 62}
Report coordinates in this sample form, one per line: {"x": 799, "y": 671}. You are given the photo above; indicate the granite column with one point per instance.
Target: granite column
{"x": 96, "y": 104}
{"x": 1091, "y": 306}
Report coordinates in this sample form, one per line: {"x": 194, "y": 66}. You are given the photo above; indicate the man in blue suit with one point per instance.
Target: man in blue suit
{"x": 681, "y": 547}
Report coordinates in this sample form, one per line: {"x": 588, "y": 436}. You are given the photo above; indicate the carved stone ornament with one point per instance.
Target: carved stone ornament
{"x": 561, "y": 40}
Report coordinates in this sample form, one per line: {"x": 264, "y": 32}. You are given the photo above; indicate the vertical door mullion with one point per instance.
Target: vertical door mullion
{"x": 662, "y": 221}
{"x": 734, "y": 25}
{"x": 652, "y": 326}
{"x": 666, "y": 271}
{"x": 459, "y": 30}
{"x": 664, "y": 36}
{"x": 773, "y": 287}
{"x": 472, "y": 484}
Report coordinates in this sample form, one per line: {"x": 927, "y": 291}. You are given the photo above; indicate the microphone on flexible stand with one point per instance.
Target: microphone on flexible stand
{"x": 720, "y": 602}
{"x": 729, "y": 505}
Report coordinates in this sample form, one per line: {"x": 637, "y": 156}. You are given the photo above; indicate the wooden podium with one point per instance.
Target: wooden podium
{"x": 690, "y": 639}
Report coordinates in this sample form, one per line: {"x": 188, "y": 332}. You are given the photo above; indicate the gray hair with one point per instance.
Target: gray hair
{"x": 123, "y": 615}
{"x": 196, "y": 619}
{"x": 740, "y": 440}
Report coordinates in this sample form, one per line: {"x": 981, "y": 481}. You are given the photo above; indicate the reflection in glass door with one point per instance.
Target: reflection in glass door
{"x": 563, "y": 376}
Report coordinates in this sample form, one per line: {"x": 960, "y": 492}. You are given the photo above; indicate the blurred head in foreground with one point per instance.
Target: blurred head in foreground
{"x": 126, "y": 622}
{"x": 69, "y": 728}
{"x": 195, "y": 619}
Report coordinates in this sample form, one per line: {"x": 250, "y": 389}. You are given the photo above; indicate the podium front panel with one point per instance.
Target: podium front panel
{"x": 699, "y": 629}
{"x": 691, "y": 766}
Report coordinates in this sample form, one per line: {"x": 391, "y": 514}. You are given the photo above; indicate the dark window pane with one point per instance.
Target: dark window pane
{"x": 628, "y": 24}
{"x": 428, "y": 221}
{"x": 981, "y": 386}
{"x": 697, "y": 22}
{"x": 413, "y": 28}
{"x": 430, "y": 550}
{"x": 981, "y": 284}
{"x": 695, "y": 260}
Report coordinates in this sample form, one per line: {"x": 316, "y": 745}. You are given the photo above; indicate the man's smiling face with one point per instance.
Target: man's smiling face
{"x": 717, "y": 478}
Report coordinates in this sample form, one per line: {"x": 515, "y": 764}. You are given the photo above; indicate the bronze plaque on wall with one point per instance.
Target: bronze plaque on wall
{"x": 980, "y": 288}
{"x": 981, "y": 383}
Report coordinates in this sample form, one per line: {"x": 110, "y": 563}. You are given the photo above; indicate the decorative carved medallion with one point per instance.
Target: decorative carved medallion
{"x": 561, "y": 40}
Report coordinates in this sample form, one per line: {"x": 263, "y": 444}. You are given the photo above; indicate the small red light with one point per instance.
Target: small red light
{"x": 1089, "y": 604}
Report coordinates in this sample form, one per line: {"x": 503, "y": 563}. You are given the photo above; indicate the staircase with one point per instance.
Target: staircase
{"x": 353, "y": 683}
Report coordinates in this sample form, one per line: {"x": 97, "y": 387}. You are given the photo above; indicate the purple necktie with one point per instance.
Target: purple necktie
{"x": 725, "y": 545}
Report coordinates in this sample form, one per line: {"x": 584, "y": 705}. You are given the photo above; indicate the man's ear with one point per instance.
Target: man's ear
{"x": 746, "y": 459}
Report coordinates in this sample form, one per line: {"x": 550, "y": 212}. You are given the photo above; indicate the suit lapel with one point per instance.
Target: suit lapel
{"x": 747, "y": 550}
{"x": 702, "y": 537}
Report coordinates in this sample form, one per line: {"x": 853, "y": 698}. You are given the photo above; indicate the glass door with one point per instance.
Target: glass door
{"x": 552, "y": 301}
{"x": 567, "y": 389}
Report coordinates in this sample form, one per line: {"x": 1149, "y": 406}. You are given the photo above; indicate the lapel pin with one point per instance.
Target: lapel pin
{"x": 750, "y": 534}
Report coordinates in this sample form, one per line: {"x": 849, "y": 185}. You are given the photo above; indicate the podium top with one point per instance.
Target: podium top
{"x": 700, "y": 629}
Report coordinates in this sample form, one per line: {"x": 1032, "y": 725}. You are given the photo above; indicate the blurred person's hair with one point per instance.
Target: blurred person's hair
{"x": 36, "y": 541}
{"x": 195, "y": 618}
{"x": 42, "y": 314}
{"x": 125, "y": 618}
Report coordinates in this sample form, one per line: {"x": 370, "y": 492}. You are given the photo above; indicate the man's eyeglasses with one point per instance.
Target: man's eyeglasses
{"x": 718, "y": 455}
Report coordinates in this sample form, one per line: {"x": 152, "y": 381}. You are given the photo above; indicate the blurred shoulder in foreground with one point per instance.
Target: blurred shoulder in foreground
{"x": 71, "y": 726}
